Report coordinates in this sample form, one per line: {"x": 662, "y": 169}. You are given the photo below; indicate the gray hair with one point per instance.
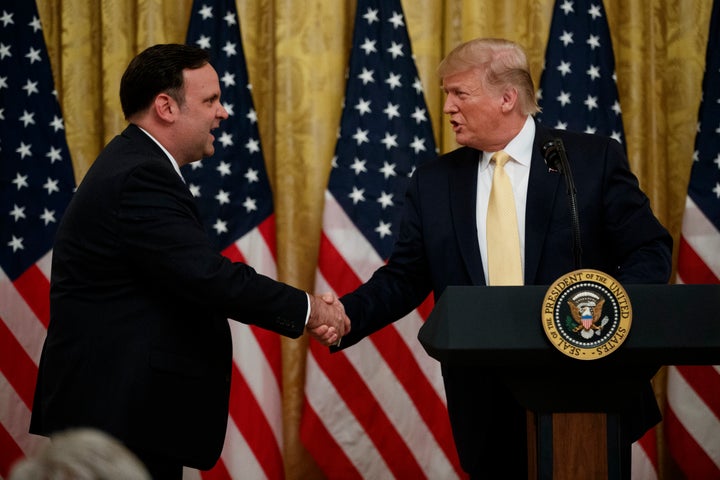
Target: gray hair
{"x": 81, "y": 454}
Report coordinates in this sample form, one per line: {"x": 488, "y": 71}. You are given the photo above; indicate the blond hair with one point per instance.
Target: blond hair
{"x": 500, "y": 63}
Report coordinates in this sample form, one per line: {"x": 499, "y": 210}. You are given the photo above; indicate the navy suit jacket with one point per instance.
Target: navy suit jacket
{"x": 138, "y": 343}
{"x": 437, "y": 246}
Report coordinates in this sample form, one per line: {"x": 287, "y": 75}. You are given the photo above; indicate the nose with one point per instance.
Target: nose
{"x": 222, "y": 113}
{"x": 449, "y": 106}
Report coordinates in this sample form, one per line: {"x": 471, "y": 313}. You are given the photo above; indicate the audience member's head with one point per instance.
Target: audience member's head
{"x": 81, "y": 454}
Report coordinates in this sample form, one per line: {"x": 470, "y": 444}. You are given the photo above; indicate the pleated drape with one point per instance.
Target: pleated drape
{"x": 297, "y": 53}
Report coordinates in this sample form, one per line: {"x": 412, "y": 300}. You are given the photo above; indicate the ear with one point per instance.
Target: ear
{"x": 165, "y": 107}
{"x": 509, "y": 99}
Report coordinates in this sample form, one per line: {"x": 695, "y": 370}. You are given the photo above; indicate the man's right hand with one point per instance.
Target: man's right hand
{"x": 328, "y": 322}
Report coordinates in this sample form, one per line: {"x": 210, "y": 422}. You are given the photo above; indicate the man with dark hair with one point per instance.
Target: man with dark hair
{"x": 138, "y": 343}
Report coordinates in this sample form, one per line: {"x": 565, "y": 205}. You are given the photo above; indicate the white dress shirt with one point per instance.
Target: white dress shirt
{"x": 518, "y": 169}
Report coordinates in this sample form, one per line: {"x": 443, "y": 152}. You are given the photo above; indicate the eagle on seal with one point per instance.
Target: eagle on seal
{"x": 586, "y": 315}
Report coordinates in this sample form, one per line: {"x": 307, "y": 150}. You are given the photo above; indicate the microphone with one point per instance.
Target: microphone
{"x": 554, "y": 154}
{"x": 556, "y": 160}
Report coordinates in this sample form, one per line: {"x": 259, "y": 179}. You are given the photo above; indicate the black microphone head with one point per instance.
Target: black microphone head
{"x": 551, "y": 155}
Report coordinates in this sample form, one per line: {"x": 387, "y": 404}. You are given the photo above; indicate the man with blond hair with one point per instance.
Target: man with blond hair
{"x": 443, "y": 238}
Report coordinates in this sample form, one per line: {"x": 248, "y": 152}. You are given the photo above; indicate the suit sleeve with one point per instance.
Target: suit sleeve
{"x": 398, "y": 287}
{"x": 641, "y": 245}
{"x": 163, "y": 239}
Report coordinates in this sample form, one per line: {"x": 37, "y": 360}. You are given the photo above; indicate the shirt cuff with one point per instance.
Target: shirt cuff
{"x": 307, "y": 315}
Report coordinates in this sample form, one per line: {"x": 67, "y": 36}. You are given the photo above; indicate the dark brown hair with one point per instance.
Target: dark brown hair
{"x": 158, "y": 69}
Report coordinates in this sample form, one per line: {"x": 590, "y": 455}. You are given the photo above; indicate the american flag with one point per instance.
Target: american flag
{"x": 36, "y": 184}
{"x": 577, "y": 87}
{"x": 378, "y": 409}
{"x": 578, "y": 92}
{"x": 692, "y": 416}
{"x": 233, "y": 193}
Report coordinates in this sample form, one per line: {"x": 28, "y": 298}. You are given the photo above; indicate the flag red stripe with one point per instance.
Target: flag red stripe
{"x": 333, "y": 267}
{"x": 704, "y": 380}
{"x": 689, "y": 455}
{"x": 691, "y": 267}
{"x": 233, "y": 253}
{"x": 250, "y": 420}
{"x": 426, "y": 307}
{"x": 648, "y": 442}
{"x": 369, "y": 413}
{"x": 34, "y": 287}
{"x": 218, "y": 472}
{"x": 327, "y": 453}
{"x": 16, "y": 365}
{"x": 267, "y": 230}
{"x": 9, "y": 452}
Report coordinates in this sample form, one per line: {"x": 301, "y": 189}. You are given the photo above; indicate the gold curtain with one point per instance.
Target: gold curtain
{"x": 297, "y": 53}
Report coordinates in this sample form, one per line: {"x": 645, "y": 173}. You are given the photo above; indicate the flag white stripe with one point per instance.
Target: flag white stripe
{"x": 701, "y": 235}
{"x": 256, "y": 253}
{"x": 694, "y": 415}
{"x": 191, "y": 474}
{"x": 44, "y": 264}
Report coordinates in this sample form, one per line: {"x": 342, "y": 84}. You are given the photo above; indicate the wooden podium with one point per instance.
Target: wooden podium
{"x": 573, "y": 435}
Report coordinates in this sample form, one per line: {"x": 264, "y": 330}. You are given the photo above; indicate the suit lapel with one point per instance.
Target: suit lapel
{"x": 463, "y": 200}
{"x": 541, "y": 196}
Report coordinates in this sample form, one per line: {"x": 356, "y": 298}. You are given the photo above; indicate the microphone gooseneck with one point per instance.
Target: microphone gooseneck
{"x": 556, "y": 160}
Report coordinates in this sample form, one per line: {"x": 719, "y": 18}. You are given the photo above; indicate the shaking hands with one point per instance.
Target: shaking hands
{"x": 328, "y": 322}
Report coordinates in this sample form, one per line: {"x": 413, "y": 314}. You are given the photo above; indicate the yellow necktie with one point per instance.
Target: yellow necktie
{"x": 503, "y": 239}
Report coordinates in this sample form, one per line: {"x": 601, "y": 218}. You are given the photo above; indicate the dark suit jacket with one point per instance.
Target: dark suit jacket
{"x": 438, "y": 246}
{"x": 138, "y": 343}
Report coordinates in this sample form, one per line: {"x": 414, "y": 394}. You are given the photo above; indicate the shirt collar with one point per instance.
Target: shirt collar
{"x": 520, "y": 147}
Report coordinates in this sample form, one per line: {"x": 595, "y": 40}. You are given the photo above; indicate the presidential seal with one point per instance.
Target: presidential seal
{"x": 586, "y": 314}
